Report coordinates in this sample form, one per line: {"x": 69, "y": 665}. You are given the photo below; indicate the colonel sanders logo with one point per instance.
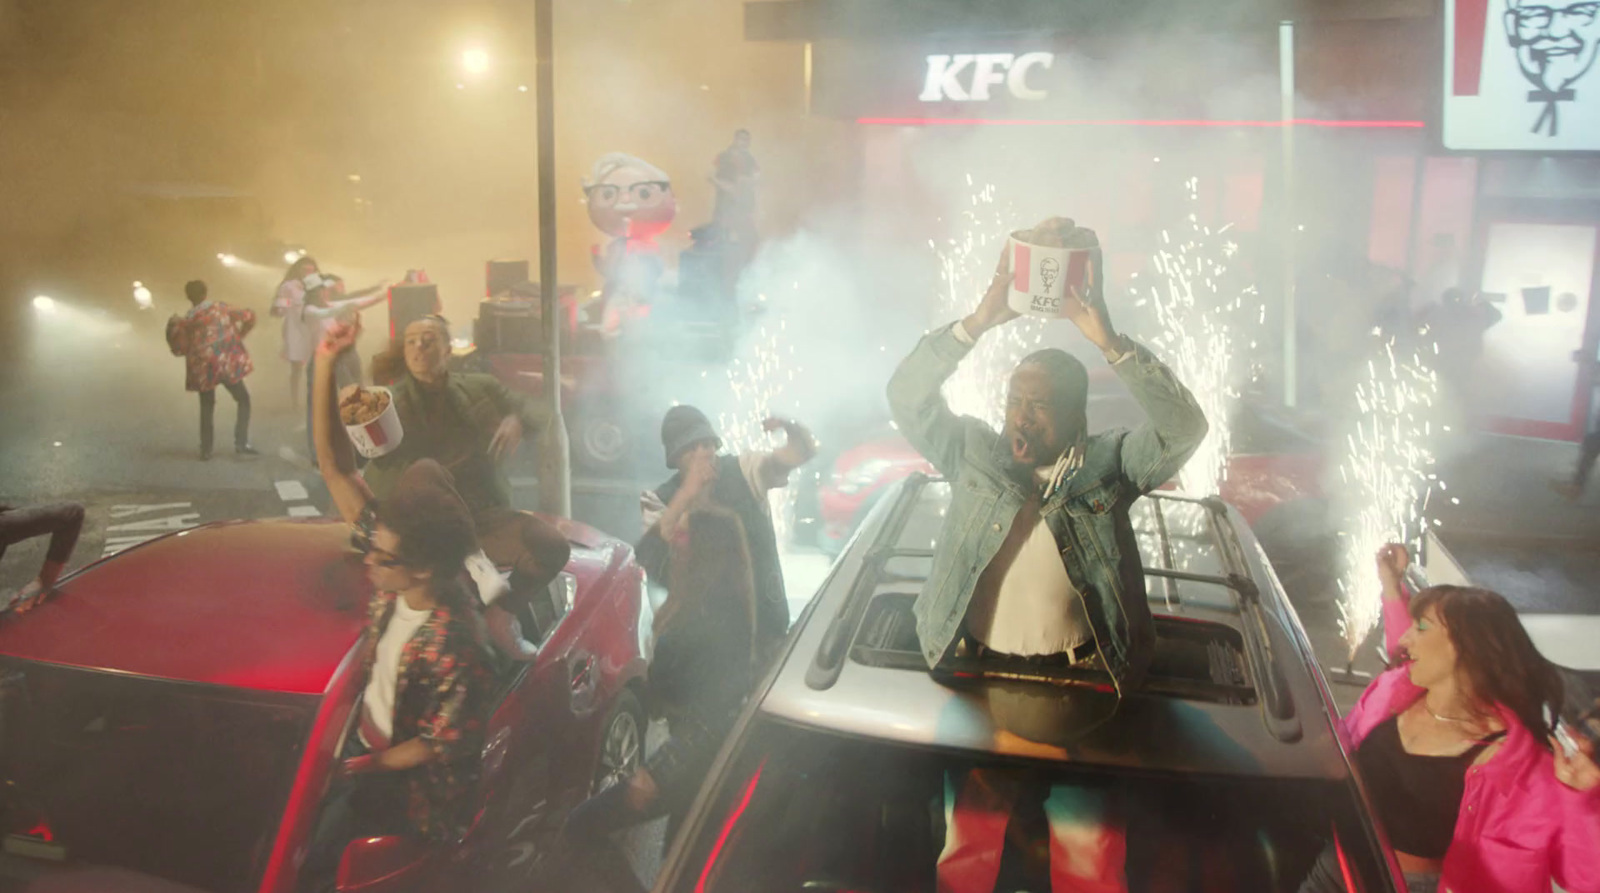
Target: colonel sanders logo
{"x": 1555, "y": 45}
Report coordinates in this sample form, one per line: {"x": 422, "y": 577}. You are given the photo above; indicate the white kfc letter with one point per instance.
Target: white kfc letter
{"x": 1017, "y": 79}
{"x": 985, "y": 75}
{"x": 941, "y": 82}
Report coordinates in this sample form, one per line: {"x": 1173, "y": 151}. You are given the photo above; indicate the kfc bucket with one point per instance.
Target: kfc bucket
{"x": 369, "y": 415}
{"x": 1050, "y": 262}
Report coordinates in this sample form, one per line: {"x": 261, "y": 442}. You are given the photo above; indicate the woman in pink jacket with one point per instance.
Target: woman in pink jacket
{"x": 1456, "y": 755}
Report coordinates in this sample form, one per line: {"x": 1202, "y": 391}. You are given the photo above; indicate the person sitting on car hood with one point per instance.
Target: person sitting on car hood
{"x": 1037, "y": 556}
{"x": 420, "y": 739}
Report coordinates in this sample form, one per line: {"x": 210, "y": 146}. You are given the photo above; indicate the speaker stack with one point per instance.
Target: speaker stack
{"x": 409, "y": 303}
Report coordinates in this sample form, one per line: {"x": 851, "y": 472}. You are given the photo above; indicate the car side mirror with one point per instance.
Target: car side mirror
{"x": 374, "y": 864}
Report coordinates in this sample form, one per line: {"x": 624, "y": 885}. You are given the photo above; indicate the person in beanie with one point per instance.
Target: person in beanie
{"x": 1037, "y": 557}
{"x": 210, "y": 338}
{"x": 739, "y": 483}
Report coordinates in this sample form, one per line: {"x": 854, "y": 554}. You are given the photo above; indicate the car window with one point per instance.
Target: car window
{"x": 180, "y": 781}
{"x": 542, "y": 614}
{"x": 802, "y": 809}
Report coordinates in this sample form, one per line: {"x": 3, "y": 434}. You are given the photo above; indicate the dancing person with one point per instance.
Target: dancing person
{"x": 738, "y": 483}
{"x": 703, "y": 668}
{"x": 63, "y": 522}
{"x": 734, "y": 174}
{"x": 413, "y": 765}
{"x": 471, "y": 424}
{"x": 325, "y": 304}
{"x": 1457, "y": 756}
{"x": 210, "y": 338}
{"x": 1037, "y": 557}
{"x": 297, "y": 343}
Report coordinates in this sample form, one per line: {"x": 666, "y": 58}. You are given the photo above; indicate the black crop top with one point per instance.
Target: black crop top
{"x": 1416, "y": 797}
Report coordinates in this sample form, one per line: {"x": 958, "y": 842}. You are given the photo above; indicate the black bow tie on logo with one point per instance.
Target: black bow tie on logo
{"x": 1550, "y": 114}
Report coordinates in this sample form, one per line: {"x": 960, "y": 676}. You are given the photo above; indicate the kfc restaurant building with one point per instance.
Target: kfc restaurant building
{"x": 1405, "y": 146}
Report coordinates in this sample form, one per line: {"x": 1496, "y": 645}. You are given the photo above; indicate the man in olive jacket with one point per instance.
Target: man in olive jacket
{"x": 470, "y": 423}
{"x": 1037, "y": 556}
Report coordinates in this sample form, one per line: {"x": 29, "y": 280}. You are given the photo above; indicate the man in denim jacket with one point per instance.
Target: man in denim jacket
{"x": 1037, "y": 557}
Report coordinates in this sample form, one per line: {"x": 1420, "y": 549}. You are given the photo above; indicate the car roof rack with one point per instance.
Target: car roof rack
{"x": 840, "y": 641}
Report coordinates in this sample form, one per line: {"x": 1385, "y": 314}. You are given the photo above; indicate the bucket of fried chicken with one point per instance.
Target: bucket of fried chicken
{"x": 369, "y": 415}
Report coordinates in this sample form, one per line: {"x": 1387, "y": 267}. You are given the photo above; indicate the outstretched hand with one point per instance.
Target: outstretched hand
{"x": 1393, "y": 559}
{"x": 995, "y": 308}
{"x": 340, "y": 337}
{"x": 1082, "y": 310}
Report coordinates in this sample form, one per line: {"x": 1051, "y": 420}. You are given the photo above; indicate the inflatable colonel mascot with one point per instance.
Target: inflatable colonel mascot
{"x": 630, "y": 200}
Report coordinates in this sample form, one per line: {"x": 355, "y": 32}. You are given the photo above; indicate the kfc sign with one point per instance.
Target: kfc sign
{"x": 1519, "y": 75}
{"x": 971, "y": 77}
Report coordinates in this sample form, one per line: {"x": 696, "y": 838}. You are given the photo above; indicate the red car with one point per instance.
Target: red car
{"x": 169, "y": 720}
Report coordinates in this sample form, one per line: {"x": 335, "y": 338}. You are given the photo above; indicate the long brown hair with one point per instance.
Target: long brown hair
{"x": 1494, "y": 655}
{"x": 710, "y": 572}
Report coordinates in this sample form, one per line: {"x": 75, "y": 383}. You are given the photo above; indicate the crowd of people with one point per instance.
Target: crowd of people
{"x": 1036, "y": 563}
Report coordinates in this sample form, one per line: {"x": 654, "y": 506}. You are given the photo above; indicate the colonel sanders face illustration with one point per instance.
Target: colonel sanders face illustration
{"x": 629, "y": 198}
{"x": 1555, "y": 43}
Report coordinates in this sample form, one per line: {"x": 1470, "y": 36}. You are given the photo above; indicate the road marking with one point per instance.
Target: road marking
{"x": 289, "y": 491}
{"x": 304, "y": 511}
{"x": 123, "y": 511}
{"x": 134, "y": 533}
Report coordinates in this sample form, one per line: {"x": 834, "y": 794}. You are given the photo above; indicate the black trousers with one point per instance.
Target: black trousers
{"x": 241, "y": 418}
{"x": 63, "y": 521}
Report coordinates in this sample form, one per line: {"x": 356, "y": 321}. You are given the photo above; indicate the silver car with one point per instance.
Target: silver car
{"x": 852, "y": 769}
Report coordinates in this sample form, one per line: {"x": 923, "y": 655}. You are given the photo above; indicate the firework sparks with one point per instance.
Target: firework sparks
{"x": 1202, "y": 318}
{"x": 967, "y": 265}
{"x": 1388, "y": 475}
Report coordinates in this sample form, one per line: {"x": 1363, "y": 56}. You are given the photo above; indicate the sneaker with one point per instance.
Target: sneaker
{"x": 247, "y": 450}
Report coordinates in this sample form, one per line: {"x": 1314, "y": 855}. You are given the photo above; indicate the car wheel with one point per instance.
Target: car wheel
{"x": 621, "y": 742}
{"x": 602, "y": 443}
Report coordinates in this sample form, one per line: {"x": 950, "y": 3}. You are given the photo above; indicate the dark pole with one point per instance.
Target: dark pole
{"x": 555, "y": 469}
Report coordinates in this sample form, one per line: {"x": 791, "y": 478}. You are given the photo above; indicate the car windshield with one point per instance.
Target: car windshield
{"x": 179, "y": 781}
{"x": 806, "y": 810}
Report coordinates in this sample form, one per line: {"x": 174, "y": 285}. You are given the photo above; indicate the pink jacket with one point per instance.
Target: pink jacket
{"x": 1519, "y": 827}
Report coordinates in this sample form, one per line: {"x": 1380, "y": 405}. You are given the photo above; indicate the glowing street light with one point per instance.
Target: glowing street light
{"x": 44, "y": 303}
{"x": 141, "y": 295}
{"x": 475, "y": 61}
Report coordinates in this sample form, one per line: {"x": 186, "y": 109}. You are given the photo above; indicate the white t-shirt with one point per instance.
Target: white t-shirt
{"x": 379, "y": 697}
{"x": 1033, "y": 609}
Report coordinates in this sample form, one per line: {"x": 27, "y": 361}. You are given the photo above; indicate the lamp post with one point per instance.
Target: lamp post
{"x": 555, "y": 460}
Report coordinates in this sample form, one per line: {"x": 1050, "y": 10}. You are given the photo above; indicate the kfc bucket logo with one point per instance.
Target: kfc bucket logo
{"x": 969, "y": 77}
{"x": 1519, "y": 75}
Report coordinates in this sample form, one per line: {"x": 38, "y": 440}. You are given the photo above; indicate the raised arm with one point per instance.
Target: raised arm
{"x": 335, "y": 457}
{"x": 340, "y": 308}
{"x": 1393, "y": 559}
{"x": 799, "y": 449}
{"x": 916, "y": 398}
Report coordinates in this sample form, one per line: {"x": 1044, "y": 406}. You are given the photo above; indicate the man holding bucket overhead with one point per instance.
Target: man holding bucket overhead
{"x": 1037, "y": 557}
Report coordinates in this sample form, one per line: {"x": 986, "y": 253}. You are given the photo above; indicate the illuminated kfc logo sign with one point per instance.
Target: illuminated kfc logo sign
{"x": 1519, "y": 74}
{"x": 976, "y": 77}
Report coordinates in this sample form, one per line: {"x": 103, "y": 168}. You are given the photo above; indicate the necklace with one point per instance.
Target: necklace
{"x": 1443, "y": 718}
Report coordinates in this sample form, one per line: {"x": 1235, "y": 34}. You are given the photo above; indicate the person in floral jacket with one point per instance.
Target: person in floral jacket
{"x": 210, "y": 338}
{"x": 414, "y": 764}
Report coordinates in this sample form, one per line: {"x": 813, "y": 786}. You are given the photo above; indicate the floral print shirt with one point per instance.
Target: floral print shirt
{"x": 210, "y": 338}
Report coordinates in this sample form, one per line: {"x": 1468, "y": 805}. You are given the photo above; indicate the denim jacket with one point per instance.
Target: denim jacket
{"x": 1088, "y": 513}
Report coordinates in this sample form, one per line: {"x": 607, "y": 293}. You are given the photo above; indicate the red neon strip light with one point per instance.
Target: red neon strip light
{"x": 1135, "y": 122}
{"x": 727, "y": 828}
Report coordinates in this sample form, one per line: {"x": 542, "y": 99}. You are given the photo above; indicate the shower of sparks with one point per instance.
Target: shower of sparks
{"x": 1388, "y": 475}
{"x": 757, "y": 382}
{"x": 967, "y": 262}
{"x": 1206, "y": 323}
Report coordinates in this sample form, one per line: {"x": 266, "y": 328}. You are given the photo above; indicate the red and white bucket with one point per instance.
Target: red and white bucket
{"x": 382, "y": 434}
{"x": 1043, "y": 276}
